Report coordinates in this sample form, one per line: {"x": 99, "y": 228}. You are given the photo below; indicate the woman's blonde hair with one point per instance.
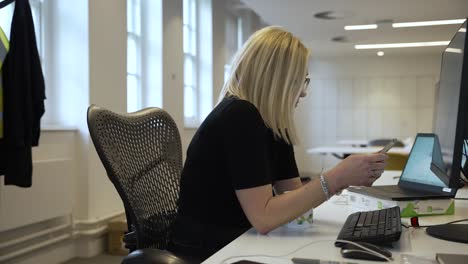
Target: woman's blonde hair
{"x": 269, "y": 71}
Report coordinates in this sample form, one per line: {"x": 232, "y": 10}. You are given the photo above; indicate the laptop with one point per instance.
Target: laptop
{"x": 417, "y": 181}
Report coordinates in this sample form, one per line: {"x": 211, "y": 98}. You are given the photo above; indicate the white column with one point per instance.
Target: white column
{"x": 219, "y": 47}
{"x": 107, "y": 88}
{"x": 173, "y": 61}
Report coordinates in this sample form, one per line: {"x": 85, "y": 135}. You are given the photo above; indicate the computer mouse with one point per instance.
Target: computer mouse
{"x": 355, "y": 252}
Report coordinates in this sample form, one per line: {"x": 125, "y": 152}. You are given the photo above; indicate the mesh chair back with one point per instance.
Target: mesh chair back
{"x": 141, "y": 153}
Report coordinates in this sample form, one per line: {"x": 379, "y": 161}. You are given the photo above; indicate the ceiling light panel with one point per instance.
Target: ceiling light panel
{"x": 402, "y": 45}
{"x": 453, "y": 50}
{"x": 428, "y": 23}
{"x": 360, "y": 27}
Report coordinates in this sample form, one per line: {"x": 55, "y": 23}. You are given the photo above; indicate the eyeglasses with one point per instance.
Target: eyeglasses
{"x": 306, "y": 82}
{"x": 306, "y": 85}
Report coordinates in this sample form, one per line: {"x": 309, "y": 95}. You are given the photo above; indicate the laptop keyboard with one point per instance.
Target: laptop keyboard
{"x": 376, "y": 227}
{"x": 393, "y": 189}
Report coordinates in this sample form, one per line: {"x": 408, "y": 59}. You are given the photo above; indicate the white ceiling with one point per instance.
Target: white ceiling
{"x": 298, "y": 17}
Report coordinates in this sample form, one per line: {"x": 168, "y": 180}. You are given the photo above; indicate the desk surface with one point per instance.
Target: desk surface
{"x": 353, "y": 142}
{"x": 355, "y": 150}
{"x": 317, "y": 242}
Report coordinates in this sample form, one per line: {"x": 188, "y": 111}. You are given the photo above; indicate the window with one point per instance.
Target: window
{"x": 198, "y": 61}
{"x": 36, "y": 10}
{"x": 134, "y": 101}
{"x": 190, "y": 62}
{"x": 6, "y": 15}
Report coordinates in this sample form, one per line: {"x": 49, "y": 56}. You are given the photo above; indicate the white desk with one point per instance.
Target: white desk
{"x": 317, "y": 242}
{"x": 355, "y": 150}
{"x": 353, "y": 142}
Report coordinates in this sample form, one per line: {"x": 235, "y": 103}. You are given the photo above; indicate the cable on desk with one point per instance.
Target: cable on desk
{"x": 453, "y": 222}
{"x": 306, "y": 245}
{"x": 460, "y": 198}
{"x": 375, "y": 253}
{"x": 284, "y": 256}
{"x": 249, "y": 256}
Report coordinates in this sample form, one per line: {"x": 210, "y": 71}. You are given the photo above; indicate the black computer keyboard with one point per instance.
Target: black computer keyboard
{"x": 376, "y": 227}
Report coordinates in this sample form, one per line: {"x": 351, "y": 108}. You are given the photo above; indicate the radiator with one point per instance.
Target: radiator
{"x": 50, "y": 196}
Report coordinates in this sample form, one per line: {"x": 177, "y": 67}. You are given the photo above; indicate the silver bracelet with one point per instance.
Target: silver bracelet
{"x": 324, "y": 185}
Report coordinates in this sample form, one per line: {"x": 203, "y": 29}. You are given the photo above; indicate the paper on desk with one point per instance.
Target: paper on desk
{"x": 411, "y": 259}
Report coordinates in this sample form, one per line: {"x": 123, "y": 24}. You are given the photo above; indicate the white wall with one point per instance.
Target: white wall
{"x": 219, "y": 47}
{"x": 173, "y": 61}
{"x": 365, "y": 98}
{"x": 107, "y": 77}
{"x": 41, "y": 213}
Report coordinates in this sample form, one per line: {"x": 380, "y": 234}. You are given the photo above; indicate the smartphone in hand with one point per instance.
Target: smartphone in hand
{"x": 390, "y": 145}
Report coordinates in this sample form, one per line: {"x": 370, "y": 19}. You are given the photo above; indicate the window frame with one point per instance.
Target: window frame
{"x": 231, "y": 47}
{"x": 191, "y": 52}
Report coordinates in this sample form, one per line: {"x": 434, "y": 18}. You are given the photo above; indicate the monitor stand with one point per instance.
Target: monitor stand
{"x": 450, "y": 232}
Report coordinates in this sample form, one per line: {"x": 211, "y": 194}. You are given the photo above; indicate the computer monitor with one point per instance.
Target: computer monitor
{"x": 451, "y": 125}
{"x": 451, "y": 117}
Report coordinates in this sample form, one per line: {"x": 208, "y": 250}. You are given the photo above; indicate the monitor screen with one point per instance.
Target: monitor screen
{"x": 418, "y": 166}
{"x": 451, "y": 124}
{"x": 465, "y": 153}
{"x": 448, "y": 103}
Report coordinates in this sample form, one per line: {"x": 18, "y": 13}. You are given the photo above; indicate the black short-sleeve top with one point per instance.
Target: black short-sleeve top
{"x": 233, "y": 149}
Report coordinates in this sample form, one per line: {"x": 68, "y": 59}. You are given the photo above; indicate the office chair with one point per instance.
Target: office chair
{"x": 141, "y": 153}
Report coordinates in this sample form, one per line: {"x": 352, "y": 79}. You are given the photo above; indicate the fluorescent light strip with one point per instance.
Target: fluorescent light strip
{"x": 402, "y": 45}
{"x": 462, "y": 30}
{"x": 428, "y": 23}
{"x": 453, "y": 50}
{"x": 360, "y": 27}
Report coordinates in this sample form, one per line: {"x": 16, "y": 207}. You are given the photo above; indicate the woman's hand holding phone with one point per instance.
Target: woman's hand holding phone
{"x": 390, "y": 145}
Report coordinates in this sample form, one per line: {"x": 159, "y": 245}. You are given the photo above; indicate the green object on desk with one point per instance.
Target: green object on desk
{"x": 410, "y": 211}
{"x": 303, "y": 218}
{"x": 411, "y": 208}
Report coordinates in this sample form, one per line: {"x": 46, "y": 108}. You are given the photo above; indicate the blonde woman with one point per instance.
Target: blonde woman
{"x": 244, "y": 150}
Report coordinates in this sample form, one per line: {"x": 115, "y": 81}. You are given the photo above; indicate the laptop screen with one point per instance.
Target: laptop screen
{"x": 418, "y": 166}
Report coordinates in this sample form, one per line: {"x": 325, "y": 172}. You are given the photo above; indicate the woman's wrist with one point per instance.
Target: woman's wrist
{"x": 325, "y": 188}
{"x": 335, "y": 185}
